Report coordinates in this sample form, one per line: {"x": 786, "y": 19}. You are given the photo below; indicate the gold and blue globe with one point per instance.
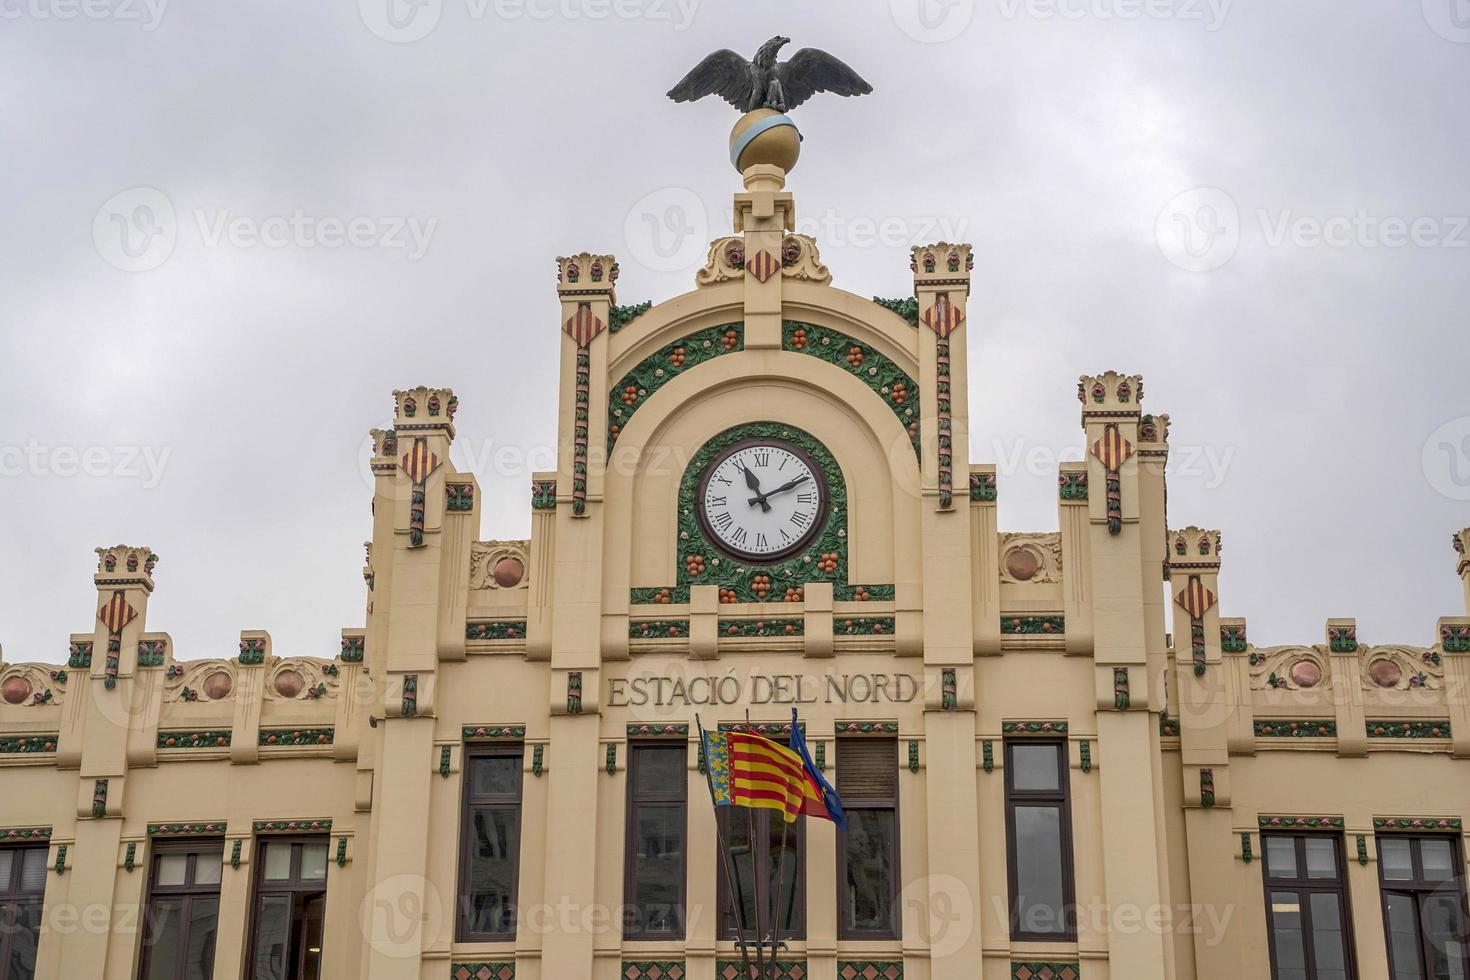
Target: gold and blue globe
{"x": 764, "y": 136}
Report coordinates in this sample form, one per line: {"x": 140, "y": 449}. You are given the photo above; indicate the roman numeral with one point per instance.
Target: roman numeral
{"x": 721, "y": 479}
{"x": 717, "y": 502}
{"x": 801, "y": 519}
{"x": 762, "y": 459}
{"x": 806, "y": 498}
{"x": 739, "y": 536}
{"x": 760, "y": 541}
{"x": 722, "y": 520}
{"x": 784, "y": 535}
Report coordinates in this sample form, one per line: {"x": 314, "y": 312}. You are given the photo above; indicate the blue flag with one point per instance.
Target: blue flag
{"x": 830, "y": 798}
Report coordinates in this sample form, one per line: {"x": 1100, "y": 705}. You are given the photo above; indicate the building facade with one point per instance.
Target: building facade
{"x": 762, "y": 501}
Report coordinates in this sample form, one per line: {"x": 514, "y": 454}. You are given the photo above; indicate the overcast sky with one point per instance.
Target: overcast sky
{"x": 1259, "y": 206}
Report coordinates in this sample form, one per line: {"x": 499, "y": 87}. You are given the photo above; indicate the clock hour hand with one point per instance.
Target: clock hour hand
{"x": 754, "y": 484}
{"x": 789, "y": 484}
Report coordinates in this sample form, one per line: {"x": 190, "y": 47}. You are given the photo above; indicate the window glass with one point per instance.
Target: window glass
{"x": 870, "y": 844}
{"x": 272, "y": 935}
{"x": 7, "y": 857}
{"x": 207, "y": 869}
{"x": 1321, "y": 857}
{"x": 1329, "y": 950}
{"x": 661, "y": 770}
{"x": 1403, "y": 936}
{"x": 1438, "y": 859}
{"x": 658, "y": 868}
{"x": 492, "y": 865}
{"x": 314, "y": 862}
{"x": 24, "y": 934}
{"x": 173, "y": 869}
{"x": 1039, "y": 883}
{"x": 1035, "y": 767}
{"x": 277, "y": 861}
{"x": 167, "y": 922}
{"x": 496, "y": 776}
{"x": 33, "y": 870}
{"x": 1442, "y": 921}
{"x": 1286, "y": 930}
{"x": 1396, "y": 862}
{"x": 1281, "y": 857}
{"x": 782, "y": 880}
{"x": 203, "y": 923}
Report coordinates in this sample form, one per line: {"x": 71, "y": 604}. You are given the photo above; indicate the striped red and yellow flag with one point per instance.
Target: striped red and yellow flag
{"x": 751, "y": 771}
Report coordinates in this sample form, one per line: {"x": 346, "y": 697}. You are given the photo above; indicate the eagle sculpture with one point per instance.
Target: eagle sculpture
{"x": 762, "y": 83}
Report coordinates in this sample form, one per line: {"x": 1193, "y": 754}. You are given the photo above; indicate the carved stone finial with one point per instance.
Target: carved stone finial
{"x": 124, "y": 563}
{"x": 1111, "y": 394}
{"x": 942, "y": 264}
{"x": 419, "y": 409}
{"x": 587, "y": 274}
{"x": 1194, "y": 547}
{"x": 1462, "y": 548}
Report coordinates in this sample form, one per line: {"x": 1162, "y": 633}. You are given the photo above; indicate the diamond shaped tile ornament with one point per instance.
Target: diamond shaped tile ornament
{"x": 115, "y": 614}
{"x": 1045, "y": 971}
{"x": 483, "y": 971}
{"x": 870, "y": 970}
{"x": 1194, "y": 598}
{"x": 583, "y": 326}
{"x": 419, "y": 462}
{"x": 763, "y": 265}
{"x": 655, "y": 970}
{"x": 1112, "y": 450}
{"x": 943, "y": 317}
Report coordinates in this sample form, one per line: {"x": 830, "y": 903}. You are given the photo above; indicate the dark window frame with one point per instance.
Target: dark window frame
{"x": 1304, "y": 886}
{"x": 677, "y": 799}
{"x": 208, "y": 848}
{"x": 761, "y": 859}
{"x": 294, "y": 885}
{"x": 1418, "y": 889}
{"x": 471, "y": 802}
{"x": 13, "y": 897}
{"x": 895, "y": 884}
{"x": 1061, "y": 800}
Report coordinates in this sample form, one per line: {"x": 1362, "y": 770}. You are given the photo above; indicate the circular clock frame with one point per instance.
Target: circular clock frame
{"x": 819, "y": 524}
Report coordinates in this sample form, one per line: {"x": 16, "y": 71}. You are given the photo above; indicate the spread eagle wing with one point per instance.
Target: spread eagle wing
{"x": 810, "y": 71}
{"x": 723, "y": 73}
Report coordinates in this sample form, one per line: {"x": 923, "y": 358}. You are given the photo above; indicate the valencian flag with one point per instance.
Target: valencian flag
{"x": 831, "y": 803}
{"x": 748, "y": 770}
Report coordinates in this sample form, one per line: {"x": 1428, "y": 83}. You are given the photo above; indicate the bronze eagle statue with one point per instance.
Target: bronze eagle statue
{"x": 762, "y": 83}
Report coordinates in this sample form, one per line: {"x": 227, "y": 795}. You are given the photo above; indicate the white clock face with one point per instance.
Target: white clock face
{"x": 762, "y": 500}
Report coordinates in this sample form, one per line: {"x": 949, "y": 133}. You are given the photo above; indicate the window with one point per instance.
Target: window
{"x": 658, "y": 784}
{"x": 867, "y": 853}
{"x": 1039, "y": 841}
{"x": 786, "y": 882}
{"x": 22, "y": 885}
{"x": 290, "y": 894}
{"x": 1423, "y": 907}
{"x": 182, "y": 912}
{"x": 1306, "y": 907}
{"x": 490, "y": 844}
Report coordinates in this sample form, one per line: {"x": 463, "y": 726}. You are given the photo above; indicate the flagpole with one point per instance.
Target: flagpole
{"x": 734, "y": 893}
{"x": 780, "y": 887}
{"x": 760, "y": 943}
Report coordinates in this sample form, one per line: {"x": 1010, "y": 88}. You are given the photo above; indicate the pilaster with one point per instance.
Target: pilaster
{"x": 411, "y": 550}
{"x": 985, "y": 549}
{"x": 763, "y": 214}
{"x": 942, "y": 288}
{"x": 1110, "y": 421}
{"x": 1206, "y": 704}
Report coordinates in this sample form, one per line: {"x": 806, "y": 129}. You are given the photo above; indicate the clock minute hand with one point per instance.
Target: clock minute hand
{"x": 781, "y": 489}
{"x": 755, "y": 484}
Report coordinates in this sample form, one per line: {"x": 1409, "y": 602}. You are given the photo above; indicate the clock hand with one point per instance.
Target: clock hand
{"x": 782, "y": 488}
{"x": 755, "y": 484}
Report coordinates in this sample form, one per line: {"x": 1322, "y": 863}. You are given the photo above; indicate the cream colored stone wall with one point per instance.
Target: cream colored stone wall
{"x": 1180, "y": 749}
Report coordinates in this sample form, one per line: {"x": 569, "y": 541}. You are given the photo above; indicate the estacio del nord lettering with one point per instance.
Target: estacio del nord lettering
{"x": 832, "y": 688}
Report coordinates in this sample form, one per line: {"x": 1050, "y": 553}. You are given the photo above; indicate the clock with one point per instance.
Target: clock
{"x": 762, "y": 500}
